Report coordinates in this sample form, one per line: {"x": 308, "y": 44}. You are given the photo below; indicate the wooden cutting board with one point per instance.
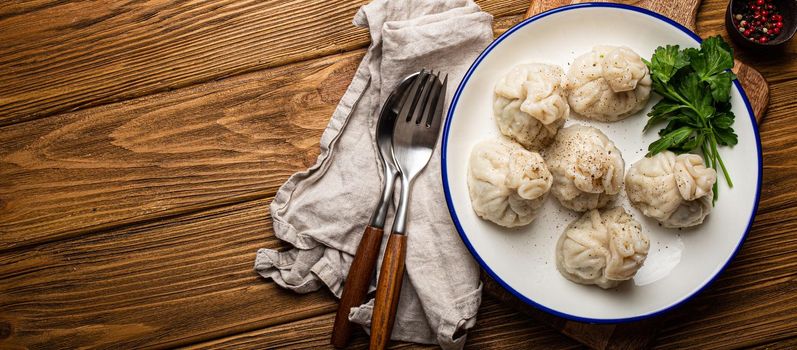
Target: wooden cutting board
{"x": 634, "y": 335}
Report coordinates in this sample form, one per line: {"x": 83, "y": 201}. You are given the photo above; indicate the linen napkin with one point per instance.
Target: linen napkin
{"x": 322, "y": 212}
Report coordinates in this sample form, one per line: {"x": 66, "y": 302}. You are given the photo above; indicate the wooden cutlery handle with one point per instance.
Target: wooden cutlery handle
{"x": 356, "y": 286}
{"x": 387, "y": 291}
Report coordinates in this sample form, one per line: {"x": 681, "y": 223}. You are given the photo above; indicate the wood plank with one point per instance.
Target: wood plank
{"x": 501, "y": 327}
{"x": 40, "y": 169}
{"x": 752, "y": 321}
{"x": 164, "y": 283}
{"x": 221, "y": 142}
{"x": 781, "y": 344}
{"x": 498, "y": 327}
{"x": 76, "y": 291}
{"x": 754, "y": 278}
{"x": 189, "y": 279}
{"x": 775, "y": 179}
{"x": 158, "y": 155}
{"x": 217, "y": 142}
{"x": 66, "y": 55}
{"x": 753, "y": 301}
{"x": 175, "y": 152}
{"x": 634, "y": 335}
{"x": 735, "y": 321}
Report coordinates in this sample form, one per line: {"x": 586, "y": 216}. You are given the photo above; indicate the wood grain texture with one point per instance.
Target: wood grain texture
{"x": 635, "y": 335}
{"x": 174, "y": 152}
{"x": 755, "y": 87}
{"x": 763, "y": 275}
{"x": 223, "y": 141}
{"x": 121, "y": 275}
{"x": 386, "y": 300}
{"x": 358, "y": 280}
{"x": 164, "y": 283}
{"x": 59, "y": 56}
{"x": 778, "y": 344}
{"x": 498, "y": 327}
{"x": 683, "y": 12}
{"x": 188, "y": 279}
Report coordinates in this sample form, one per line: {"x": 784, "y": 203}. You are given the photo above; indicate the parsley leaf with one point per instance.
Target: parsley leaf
{"x": 711, "y": 63}
{"x": 720, "y": 85}
{"x": 715, "y": 56}
{"x": 670, "y": 139}
{"x": 661, "y": 111}
{"x": 723, "y": 120}
{"x": 666, "y": 62}
{"x": 694, "y": 141}
{"x": 694, "y": 94}
{"x": 726, "y": 137}
{"x": 695, "y": 85}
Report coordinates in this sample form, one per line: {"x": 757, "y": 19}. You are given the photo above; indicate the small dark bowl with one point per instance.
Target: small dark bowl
{"x": 788, "y": 9}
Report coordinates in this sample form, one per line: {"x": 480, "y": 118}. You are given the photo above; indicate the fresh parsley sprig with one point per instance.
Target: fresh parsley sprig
{"x": 695, "y": 86}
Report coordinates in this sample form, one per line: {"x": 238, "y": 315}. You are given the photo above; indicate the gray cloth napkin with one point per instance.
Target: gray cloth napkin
{"x": 323, "y": 211}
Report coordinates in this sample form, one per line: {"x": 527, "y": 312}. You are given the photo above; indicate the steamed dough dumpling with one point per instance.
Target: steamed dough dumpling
{"x": 530, "y": 104}
{"x": 675, "y": 190}
{"x": 587, "y": 168}
{"x": 602, "y": 248}
{"x": 608, "y": 83}
{"x": 507, "y": 183}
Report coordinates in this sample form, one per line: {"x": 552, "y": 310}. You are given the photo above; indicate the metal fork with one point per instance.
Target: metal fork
{"x": 362, "y": 267}
{"x": 414, "y": 139}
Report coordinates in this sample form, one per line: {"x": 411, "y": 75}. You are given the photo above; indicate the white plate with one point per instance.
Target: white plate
{"x": 680, "y": 262}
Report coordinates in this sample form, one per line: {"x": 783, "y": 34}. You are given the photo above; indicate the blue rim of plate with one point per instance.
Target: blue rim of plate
{"x": 447, "y": 128}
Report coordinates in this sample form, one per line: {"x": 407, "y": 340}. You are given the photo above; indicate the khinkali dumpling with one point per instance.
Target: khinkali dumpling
{"x": 608, "y": 83}
{"x": 530, "y": 104}
{"x": 675, "y": 190}
{"x": 602, "y": 248}
{"x": 507, "y": 183}
{"x": 587, "y": 168}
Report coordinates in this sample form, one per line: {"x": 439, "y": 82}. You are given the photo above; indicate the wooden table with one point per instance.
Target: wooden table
{"x": 141, "y": 142}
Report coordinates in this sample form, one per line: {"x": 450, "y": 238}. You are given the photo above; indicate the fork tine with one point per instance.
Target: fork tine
{"x": 431, "y": 103}
{"x": 414, "y": 95}
{"x": 436, "y": 118}
{"x": 423, "y": 100}
{"x": 405, "y": 93}
{"x": 411, "y": 97}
